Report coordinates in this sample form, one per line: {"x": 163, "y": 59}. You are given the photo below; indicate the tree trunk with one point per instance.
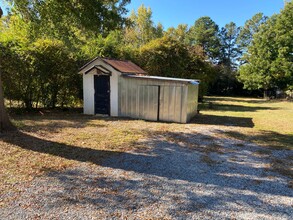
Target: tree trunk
{"x": 5, "y": 124}
{"x": 265, "y": 94}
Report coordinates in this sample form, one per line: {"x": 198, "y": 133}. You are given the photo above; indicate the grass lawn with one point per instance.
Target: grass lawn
{"x": 58, "y": 140}
{"x": 269, "y": 123}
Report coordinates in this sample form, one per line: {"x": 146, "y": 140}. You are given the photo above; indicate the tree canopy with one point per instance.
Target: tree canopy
{"x": 250, "y": 28}
{"x": 269, "y": 60}
{"x": 92, "y": 14}
{"x": 142, "y": 29}
{"x": 204, "y": 33}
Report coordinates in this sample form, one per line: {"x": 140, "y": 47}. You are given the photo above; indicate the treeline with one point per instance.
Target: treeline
{"x": 43, "y": 43}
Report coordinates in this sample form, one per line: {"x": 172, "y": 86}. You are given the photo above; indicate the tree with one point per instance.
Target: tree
{"x": 37, "y": 71}
{"x": 164, "y": 57}
{"x": 41, "y": 43}
{"x": 204, "y": 33}
{"x": 229, "y": 48}
{"x": 52, "y": 66}
{"x": 94, "y": 15}
{"x": 71, "y": 21}
{"x": 226, "y": 82}
{"x": 250, "y": 28}
{"x": 169, "y": 57}
{"x": 108, "y": 46}
{"x": 180, "y": 33}
{"x": 269, "y": 58}
{"x": 142, "y": 29}
{"x": 15, "y": 37}
{"x": 5, "y": 123}
{"x": 199, "y": 68}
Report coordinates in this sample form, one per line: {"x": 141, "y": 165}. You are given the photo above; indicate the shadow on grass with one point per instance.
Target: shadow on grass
{"x": 268, "y": 138}
{"x": 43, "y": 111}
{"x": 56, "y": 121}
{"x": 239, "y": 99}
{"x": 246, "y": 100}
{"x": 223, "y": 120}
{"x": 233, "y": 108}
{"x": 69, "y": 152}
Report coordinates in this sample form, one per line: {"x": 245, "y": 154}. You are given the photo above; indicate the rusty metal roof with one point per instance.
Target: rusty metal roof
{"x": 124, "y": 66}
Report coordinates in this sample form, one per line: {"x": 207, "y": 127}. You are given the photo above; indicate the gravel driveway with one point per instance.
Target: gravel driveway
{"x": 184, "y": 175}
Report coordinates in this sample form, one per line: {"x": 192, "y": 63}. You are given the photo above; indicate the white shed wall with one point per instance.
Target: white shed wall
{"x": 88, "y": 94}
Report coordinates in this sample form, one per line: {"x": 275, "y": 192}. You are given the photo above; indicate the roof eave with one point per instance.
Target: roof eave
{"x": 88, "y": 63}
{"x": 185, "y": 81}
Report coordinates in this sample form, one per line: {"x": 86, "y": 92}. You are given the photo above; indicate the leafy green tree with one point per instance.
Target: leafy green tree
{"x": 53, "y": 66}
{"x": 169, "y": 57}
{"x": 205, "y": 33}
{"x": 108, "y": 46}
{"x": 142, "y": 29}
{"x": 36, "y": 71}
{"x": 269, "y": 58}
{"x": 159, "y": 30}
{"x": 199, "y": 68}
{"x": 180, "y": 33}
{"x": 103, "y": 16}
{"x": 164, "y": 57}
{"x": 41, "y": 43}
{"x": 18, "y": 72}
{"x": 71, "y": 21}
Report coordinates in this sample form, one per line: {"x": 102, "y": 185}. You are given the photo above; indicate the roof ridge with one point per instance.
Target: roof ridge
{"x": 109, "y": 58}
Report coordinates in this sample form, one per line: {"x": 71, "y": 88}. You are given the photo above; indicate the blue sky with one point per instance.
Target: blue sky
{"x": 174, "y": 12}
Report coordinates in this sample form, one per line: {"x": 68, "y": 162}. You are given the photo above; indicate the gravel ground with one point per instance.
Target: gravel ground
{"x": 192, "y": 177}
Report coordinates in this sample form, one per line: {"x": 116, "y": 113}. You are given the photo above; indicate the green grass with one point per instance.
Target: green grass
{"x": 266, "y": 122}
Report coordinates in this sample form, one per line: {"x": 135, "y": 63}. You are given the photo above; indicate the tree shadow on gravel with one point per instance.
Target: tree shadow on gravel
{"x": 178, "y": 166}
{"x": 131, "y": 195}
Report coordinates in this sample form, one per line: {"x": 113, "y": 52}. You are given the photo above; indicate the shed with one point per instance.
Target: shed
{"x": 121, "y": 88}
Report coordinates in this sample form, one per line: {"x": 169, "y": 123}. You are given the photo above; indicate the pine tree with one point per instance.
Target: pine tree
{"x": 205, "y": 33}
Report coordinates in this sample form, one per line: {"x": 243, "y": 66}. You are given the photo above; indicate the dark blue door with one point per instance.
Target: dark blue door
{"x": 102, "y": 94}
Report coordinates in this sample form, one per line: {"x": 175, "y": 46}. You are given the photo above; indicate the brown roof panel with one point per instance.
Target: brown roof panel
{"x": 124, "y": 66}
